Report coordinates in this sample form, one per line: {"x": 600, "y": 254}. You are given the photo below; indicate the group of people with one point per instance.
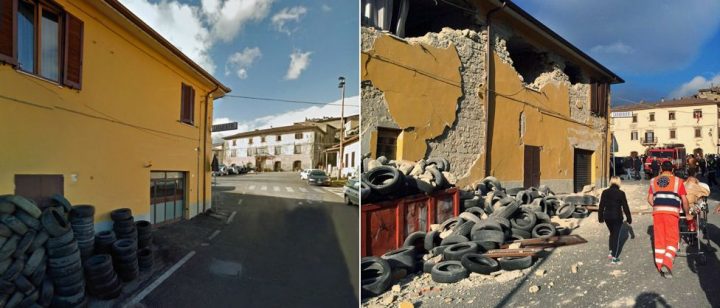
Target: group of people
{"x": 669, "y": 196}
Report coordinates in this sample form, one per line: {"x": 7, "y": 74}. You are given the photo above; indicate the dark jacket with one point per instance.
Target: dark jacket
{"x": 612, "y": 205}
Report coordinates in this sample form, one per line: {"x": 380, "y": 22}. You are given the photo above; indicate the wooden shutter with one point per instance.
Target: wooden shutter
{"x": 8, "y": 32}
{"x": 72, "y": 76}
{"x": 187, "y": 104}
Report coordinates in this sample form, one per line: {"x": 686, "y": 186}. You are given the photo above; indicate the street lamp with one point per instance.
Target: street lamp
{"x": 341, "y": 85}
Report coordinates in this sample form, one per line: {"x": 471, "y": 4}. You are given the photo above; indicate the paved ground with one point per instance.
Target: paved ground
{"x": 635, "y": 283}
{"x": 289, "y": 244}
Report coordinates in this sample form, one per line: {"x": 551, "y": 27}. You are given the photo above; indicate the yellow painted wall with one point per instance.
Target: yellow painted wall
{"x": 126, "y": 115}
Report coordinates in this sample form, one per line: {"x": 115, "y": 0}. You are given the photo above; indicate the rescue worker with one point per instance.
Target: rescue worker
{"x": 655, "y": 167}
{"x": 667, "y": 196}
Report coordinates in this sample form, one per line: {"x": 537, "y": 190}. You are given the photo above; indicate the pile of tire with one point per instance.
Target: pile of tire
{"x": 101, "y": 277}
{"x": 384, "y": 179}
{"x": 144, "y": 231}
{"x": 125, "y": 259}
{"x": 83, "y": 227}
{"x": 104, "y": 241}
{"x": 124, "y": 224}
{"x": 64, "y": 264}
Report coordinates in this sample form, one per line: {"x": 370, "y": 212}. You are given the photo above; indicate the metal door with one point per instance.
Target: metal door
{"x": 532, "y": 166}
{"x": 167, "y": 196}
{"x": 582, "y": 169}
{"x": 39, "y": 187}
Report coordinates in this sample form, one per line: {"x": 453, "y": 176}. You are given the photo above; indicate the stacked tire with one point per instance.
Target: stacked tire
{"x": 144, "y": 231}
{"x": 104, "y": 241}
{"x": 145, "y": 259}
{"x": 64, "y": 265}
{"x": 83, "y": 226}
{"x": 125, "y": 259}
{"x": 124, "y": 225}
{"x": 101, "y": 277}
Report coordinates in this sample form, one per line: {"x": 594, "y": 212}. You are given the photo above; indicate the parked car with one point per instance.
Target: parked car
{"x": 304, "y": 173}
{"x": 318, "y": 177}
{"x": 233, "y": 169}
{"x": 222, "y": 170}
{"x": 351, "y": 192}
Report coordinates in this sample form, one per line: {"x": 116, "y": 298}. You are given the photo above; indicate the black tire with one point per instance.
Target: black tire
{"x": 39, "y": 274}
{"x": 542, "y": 218}
{"x": 491, "y": 182}
{"x": 5, "y": 230}
{"x": 69, "y": 279}
{"x": 145, "y": 256}
{"x": 34, "y": 261}
{"x": 59, "y": 272}
{"x": 123, "y": 247}
{"x": 457, "y": 251}
{"x": 374, "y": 275}
{"x": 128, "y": 258}
{"x": 478, "y": 263}
{"x": 575, "y": 199}
{"x": 6, "y": 207}
{"x": 503, "y": 222}
{"x": 121, "y": 214}
{"x": 14, "y": 224}
{"x": 30, "y": 300}
{"x": 28, "y": 220}
{"x": 523, "y": 197}
{"x": 453, "y": 239}
{"x": 428, "y": 266}
{"x": 143, "y": 227}
{"x": 580, "y": 212}
{"x": 487, "y": 224}
{"x": 7, "y": 287}
{"x": 75, "y": 300}
{"x": 489, "y": 236}
{"x": 383, "y": 179}
{"x": 14, "y": 270}
{"x": 432, "y": 239}
{"x": 107, "y": 236}
{"x": 416, "y": 240}
{"x": 4, "y": 265}
{"x": 54, "y": 222}
{"x": 506, "y": 211}
{"x": 62, "y": 240}
{"x": 477, "y": 211}
{"x": 25, "y": 205}
{"x": 438, "y": 177}
{"x": 514, "y": 190}
{"x": 522, "y": 233}
{"x": 438, "y": 250}
{"x": 46, "y": 293}
{"x": 515, "y": 263}
{"x": 589, "y": 200}
{"x": 83, "y": 221}
{"x": 58, "y": 200}
{"x": 9, "y": 247}
{"x": 84, "y": 210}
{"x": 463, "y": 229}
{"x": 15, "y": 299}
{"x": 487, "y": 245}
{"x": 438, "y": 162}
{"x": 39, "y": 240}
{"x": 468, "y": 203}
{"x": 63, "y": 251}
{"x": 448, "y": 272}
{"x": 58, "y": 262}
{"x": 24, "y": 285}
{"x": 525, "y": 220}
{"x": 401, "y": 258}
{"x": 543, "y": 230}
{"x": 24, "y": 244}
{"x": 566, "y": 210}
{"x": 449, "y": 224}
{"x": 70, "y": 289}
{"x": 470, "y": 217}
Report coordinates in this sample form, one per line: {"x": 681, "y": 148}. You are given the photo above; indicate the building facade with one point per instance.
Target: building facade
{"x": 495, "y": 92}
{"x": 288, "y": 148}
{"x": 115, "y": 116}
{"x": 692, "y": 122}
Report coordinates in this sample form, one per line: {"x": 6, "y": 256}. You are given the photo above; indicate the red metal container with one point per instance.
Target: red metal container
{"x": 385, "y": 225}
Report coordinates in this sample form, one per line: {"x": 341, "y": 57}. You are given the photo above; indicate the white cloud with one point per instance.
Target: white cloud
{"x": 616, "y": 48}
{"x": 299, "y": 61}
{"x": 286, "y": 15}
{"x": 194, "y": 29}
{"x": 241, "y": 61}
{"x": 331, "y": 109}
{"x": 691, "y": 87}
{"x": 326, "y": 8}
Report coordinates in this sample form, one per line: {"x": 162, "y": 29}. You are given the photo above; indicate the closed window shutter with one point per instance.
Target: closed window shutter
{"x": 187, "y": 104}
{"x": 8, "y": 24}
{"x": 73, "y": 51}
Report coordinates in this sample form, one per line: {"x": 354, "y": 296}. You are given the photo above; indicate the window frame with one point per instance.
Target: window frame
{"x": 297, "y": 149}
{"x": 298, "y": 136}
{"x": 697, "y": 114}
{"x": 673, "y": 134}
{"x": 651, "y": 117}
{"x": 250, "y": 140}
{"x": 634, "y": 118}
{"x": 634, "y": 135}
{"x": 278, "y": 138}
{"x": 698, "y": 132}
{"x": 671, "y": 115}
{"x": 187, "y": 96}
{"x": 262, "y": 139}
{"x": 39, "y": 6}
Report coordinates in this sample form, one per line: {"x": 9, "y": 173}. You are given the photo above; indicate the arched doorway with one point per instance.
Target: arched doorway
{"x": 297, "y": 165}
{"x": 277, "y": 166}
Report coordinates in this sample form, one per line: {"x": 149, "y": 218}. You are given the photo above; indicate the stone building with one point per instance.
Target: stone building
{"x": 287, "y": 148}
{"x": 533, "y": 111}
{"x": 691, "y": 121}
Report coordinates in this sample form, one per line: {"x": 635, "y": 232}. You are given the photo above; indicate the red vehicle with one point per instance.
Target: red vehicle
{"x": 674, "y": 153}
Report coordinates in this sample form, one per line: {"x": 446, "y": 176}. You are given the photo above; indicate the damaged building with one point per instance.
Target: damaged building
{"x": 533, "y": 111}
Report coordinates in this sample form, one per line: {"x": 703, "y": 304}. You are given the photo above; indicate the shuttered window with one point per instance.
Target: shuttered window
{"x": 187, "y": 104}
{"x": 599, "y": 99}
{"x": 38, "y": 37}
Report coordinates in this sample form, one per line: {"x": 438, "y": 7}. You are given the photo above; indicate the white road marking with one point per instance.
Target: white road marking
{"x": 318, "y": 190}
{"x": 263, "y": 188}
{"x": 303, "y": 189}
{"x": 212, "y": 236}
{"x": 240, "y": 201}
{"x": 160, "y": 279}
{"x": 275, "y": 188}
{"x": 252, "y": 187}
{"x": 230, "y": 219}
{"x": 289, "y": 189}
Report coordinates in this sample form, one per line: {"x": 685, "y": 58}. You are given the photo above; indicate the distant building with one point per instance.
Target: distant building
{"x": 692, "y": 122}
{"x": 350, "y": 156}
{"x": 287, "y": 148}
{"x": 218, "y": 150}
{"x": 712, "y": 93}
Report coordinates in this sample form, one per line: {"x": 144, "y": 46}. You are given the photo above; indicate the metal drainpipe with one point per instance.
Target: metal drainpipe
{"x": 205, "y": 127}
{"x": 489, "y": 110}
{"x": 404, "y": 7}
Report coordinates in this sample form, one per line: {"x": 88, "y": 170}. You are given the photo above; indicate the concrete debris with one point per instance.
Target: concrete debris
{"x": 540, "y": 272}
{"x": 508, "y": 276}
{"x": 551, "y": 284}
{"x": 515, "y": 246}
{"x": 574, "y": 268}
{"x": 534, "y": 289}
{"x": 448, "y": 300}
{"x": 406, "y": 304}
{"x": 396, "y": 288}
{"x": 389, "y": 299}
{"x": 617, "y": 273}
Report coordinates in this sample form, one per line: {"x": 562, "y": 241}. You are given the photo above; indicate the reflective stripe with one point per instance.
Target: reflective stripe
{"x": 658, "y": 261}
{"x": 672, "y": 248}
{"x": 659, "y": 250}
{"x": 666, "y": 209}
{"x": 669, "y": 255}
{"x": 677, "y": 185}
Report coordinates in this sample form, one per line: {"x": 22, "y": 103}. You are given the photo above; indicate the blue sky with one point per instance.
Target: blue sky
{"x": 662, "y": 48}
{"x": 288, "y": 49}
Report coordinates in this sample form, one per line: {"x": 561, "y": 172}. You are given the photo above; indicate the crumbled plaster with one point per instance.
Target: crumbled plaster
{"x": 368, "y": 36}
{"x": 580, "y": 102}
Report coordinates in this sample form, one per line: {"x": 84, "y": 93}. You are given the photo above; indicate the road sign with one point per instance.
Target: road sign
{"x": 224, "y": 127}
{"x": 621, "y": 114}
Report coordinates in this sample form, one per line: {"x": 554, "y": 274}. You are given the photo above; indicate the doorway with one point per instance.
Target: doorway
{"x": 39, "y": 187}
{"x": 531, "y": 169}
{"x": 167, "y": 196}
{"x": 277, "y": 166}
{"x": 582, "y": 167}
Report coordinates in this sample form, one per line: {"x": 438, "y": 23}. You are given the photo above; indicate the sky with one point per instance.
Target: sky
{"x": 661, "y": 48}
{"x": 286, "y": 49}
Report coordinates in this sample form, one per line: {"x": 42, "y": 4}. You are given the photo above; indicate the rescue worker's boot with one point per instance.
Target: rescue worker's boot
{"x": 666, "y": 272}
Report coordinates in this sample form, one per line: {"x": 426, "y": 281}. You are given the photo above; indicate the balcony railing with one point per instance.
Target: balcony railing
{"x": 649, "y": 141}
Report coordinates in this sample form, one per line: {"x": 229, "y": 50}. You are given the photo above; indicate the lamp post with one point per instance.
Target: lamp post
{"x": 341, "y": 85}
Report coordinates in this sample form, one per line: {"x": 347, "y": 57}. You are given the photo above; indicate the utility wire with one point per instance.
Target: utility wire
{"x": 286, "y": 100}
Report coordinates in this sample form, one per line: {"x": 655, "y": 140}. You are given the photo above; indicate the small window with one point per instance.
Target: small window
{"x": 698, "y": 132}
{"x": 671, "y": 115}
{"x": 387, "y": 142}
{"x": 652, "y": 117}
{"x": 250, "y": 151}
{"x": 187, "y": 104}
{"x": 298, "y": 149}
{"x": 298, "y": 135}
{"x": 262, "y": 139}
{"x": 672, "y": 134}
{"x": 634, "y": 135}
{"x": 599, "y": 99}
{"x": 278, "y": 150}
{"x": 352, "y": 160}
{"x": 234, "y": 142}
{"x": 250, "y": 140}
{"x": 278, "y": 138}
{"x": 347, "y": 158}
{"x": 697, "y": 114}
{"x": 634, "y": 119}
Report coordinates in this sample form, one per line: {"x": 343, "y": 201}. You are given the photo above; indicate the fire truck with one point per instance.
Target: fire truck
{"x": 674, "y": 153}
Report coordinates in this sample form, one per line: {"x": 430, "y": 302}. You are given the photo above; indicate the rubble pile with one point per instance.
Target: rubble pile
{"x": 384, "y": 179}
{"x": 493, "y": 218}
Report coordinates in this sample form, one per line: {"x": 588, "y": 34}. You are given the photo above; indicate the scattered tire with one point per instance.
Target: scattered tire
{"x": 492, "y": 183}
{"x": 448, "y": 272}
{"x": 428, "y": 266}
{"x": 514, "y": 190}
{"x": 489, "y": 236}
{"x": 580, "y": 212}
{"x": 383, "y": 179}
{"x": 374, "y": 275}
{"x": 477, "y": 211}
{"x": 432, "y": 239}
{"x": 543, "y": 230}
{"x": 525, "y": 220}
{"x": 449, "y": 224}
{"x": 464, "y": 228}
{"x": 453, "y": 239}
{"x": 506, "y": 211}
{"x": 478, "y": 263}
{"x": 401, "y": 258}
{"x": 566, "y": 210}
{"x": 457, "y": 251}
{"x": 542, "y": 217}
{"x": 470, "y": 217}
{"x": 515, "y": 263}
{"x": 415, "y": 239}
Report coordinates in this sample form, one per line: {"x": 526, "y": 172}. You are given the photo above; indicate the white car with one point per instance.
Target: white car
{"x": 304, "y": 173}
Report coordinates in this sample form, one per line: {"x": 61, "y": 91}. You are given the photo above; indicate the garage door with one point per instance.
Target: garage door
{"x": 582, "y": 169}
{"x": 167, "y": 196}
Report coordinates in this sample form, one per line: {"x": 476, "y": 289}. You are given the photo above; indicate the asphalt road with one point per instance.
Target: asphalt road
{"x": 290, "y": 244}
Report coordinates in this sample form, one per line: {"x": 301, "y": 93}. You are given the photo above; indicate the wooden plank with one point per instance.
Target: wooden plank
{"x": 521, "y": 252}
{"x": 592, "y": 207}
{"x": 553, "y": 241}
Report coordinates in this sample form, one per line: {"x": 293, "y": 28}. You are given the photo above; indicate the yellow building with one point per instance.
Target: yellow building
{"x": 692, "y": 122}
{"x": 99, "y": 107}
{"x": 533, "y": 111}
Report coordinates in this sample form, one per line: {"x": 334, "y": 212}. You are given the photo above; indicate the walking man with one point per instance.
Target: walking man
{"x": 667, "y": 195}
{"x": 655, "y": 166}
